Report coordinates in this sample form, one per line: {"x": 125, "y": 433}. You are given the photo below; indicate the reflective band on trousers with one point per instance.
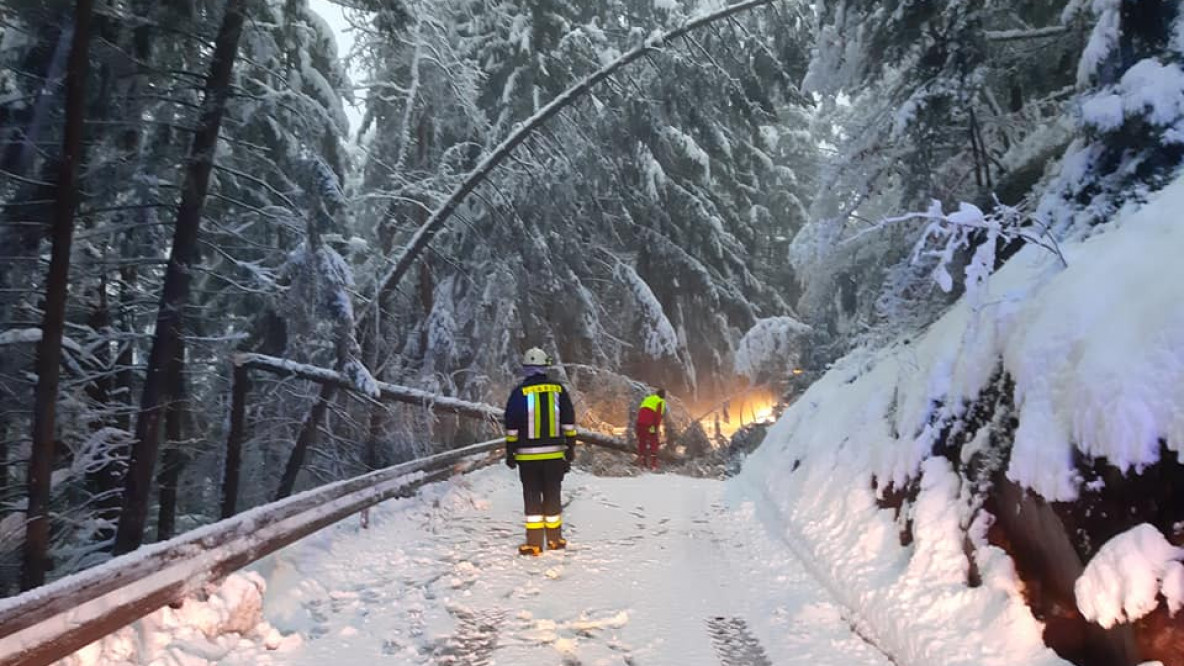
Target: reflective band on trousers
{"x": 538, "y": 456}
{"x": 550, "y": 452}
{"x": 549, "y": 448}
{"x": 552, "y": 521}
{"x": 534, "y": 522}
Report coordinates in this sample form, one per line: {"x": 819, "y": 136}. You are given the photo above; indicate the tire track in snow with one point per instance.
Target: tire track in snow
{"x": 474, "y": 641}
{"x": 735, "y": 644}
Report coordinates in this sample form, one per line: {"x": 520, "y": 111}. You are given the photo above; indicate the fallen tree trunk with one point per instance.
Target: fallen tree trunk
{"x": 411, "y": 396}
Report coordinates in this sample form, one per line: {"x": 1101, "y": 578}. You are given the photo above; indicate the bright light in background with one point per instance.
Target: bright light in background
{"x": 743, "y": 410}
{"x": 334, "y": 15}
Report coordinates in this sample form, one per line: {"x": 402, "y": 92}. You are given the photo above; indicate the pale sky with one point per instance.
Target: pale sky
{"x": 334, "y": 15}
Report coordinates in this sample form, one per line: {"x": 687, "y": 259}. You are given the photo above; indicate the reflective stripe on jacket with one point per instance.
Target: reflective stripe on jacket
{"x": 539, "y": 419}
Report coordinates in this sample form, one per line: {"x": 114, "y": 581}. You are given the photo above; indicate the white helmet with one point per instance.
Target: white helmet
{"x": 536, "y": 356}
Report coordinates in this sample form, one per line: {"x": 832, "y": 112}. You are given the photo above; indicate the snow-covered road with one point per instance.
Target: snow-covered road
{"x": 662, "y": 569}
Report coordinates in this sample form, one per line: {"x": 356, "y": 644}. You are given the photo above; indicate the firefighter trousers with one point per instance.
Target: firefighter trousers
{"x": 542, "y": 485}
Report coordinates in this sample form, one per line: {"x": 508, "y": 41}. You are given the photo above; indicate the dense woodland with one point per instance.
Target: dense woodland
{"x": 180, "y": 181}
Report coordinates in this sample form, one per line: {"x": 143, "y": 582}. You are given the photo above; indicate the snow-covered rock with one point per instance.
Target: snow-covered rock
{"x": 1037, "y": 420}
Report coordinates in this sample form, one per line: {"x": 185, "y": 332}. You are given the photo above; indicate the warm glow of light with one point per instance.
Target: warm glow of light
{"x": 746, "y": 409}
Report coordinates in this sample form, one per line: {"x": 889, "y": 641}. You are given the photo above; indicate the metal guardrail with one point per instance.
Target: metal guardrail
{"x": 53, "y": 621}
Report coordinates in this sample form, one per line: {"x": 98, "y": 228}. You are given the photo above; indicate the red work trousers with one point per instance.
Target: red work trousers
{"x": 647, "y": 447}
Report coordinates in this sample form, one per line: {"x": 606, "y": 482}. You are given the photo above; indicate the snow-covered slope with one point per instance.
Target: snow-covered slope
{"x": 1065, "y": 382}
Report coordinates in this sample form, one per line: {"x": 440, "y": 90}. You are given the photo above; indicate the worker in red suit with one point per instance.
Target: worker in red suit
{"x": 649, "y": 419}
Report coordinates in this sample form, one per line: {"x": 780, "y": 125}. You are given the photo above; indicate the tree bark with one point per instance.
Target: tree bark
{"x": 173, "y": 459}
{"x": 57, "y": 285}
{"x": 373, "y": 437}
{"x": 308, "y": 434}
{"x": 234, "y": 439}
{"x": 175, "y": 293}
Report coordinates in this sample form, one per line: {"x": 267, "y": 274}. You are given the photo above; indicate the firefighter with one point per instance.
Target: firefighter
{"x": 649, "y": 419}
{"x": 540, "y": 442}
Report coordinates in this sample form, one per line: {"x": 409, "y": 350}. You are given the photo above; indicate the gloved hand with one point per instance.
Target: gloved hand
{"x": 510, "y": 462}
{"x": 653, "y": 430}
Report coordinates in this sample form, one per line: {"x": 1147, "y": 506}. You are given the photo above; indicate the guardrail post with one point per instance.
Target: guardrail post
{"x": 240, "y": 385}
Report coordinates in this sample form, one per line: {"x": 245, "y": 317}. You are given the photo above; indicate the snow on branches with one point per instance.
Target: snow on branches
{"x": 319, "y": 305}
{"x": 1123, "y": 581}
{"x": 659, "y": 338}
{"x": 772, "y": 345}
{"x": 948, "y": 236}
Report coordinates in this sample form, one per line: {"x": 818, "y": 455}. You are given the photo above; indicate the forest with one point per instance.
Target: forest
{"x": 679, "y": 193}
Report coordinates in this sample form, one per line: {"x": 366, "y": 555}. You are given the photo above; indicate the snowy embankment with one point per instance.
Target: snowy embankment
{"x": 1065, "y": 382}
{"x": 225, "y": 623}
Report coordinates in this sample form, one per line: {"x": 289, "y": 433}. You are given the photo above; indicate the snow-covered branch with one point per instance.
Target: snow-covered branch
{"x": 403, "y": 394}
{"x": 955, "y": 231}
{"x": 428, "y": 230}
{"x": 1015, "y": 35}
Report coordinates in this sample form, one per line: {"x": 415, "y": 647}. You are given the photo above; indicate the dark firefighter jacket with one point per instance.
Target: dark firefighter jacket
{"x": 540, "y": 420}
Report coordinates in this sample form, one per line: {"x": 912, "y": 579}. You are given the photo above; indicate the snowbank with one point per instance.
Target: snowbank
{"x": 226, "y": 624}
{"x": 1096, "y": 353}
{"x": 1123, "y": 580}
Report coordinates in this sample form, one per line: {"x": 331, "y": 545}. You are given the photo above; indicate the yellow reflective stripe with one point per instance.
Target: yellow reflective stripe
{"x": 538, "y": 456}
{"x": 553, "y": 427}
{"x": 511, "y": 438}
{"x": 531, "y": 433}
{"x": 552, "y": 522}
{"x": 542, "y": 388}
{"x": 569, "y": 430}
{"x": 534, "y": 521}
{"x": 535, "y": 526}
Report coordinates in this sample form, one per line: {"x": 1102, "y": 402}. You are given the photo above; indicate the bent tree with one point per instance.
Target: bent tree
{"x": 366, "y": 329}
{"x": 183, "y": 257}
